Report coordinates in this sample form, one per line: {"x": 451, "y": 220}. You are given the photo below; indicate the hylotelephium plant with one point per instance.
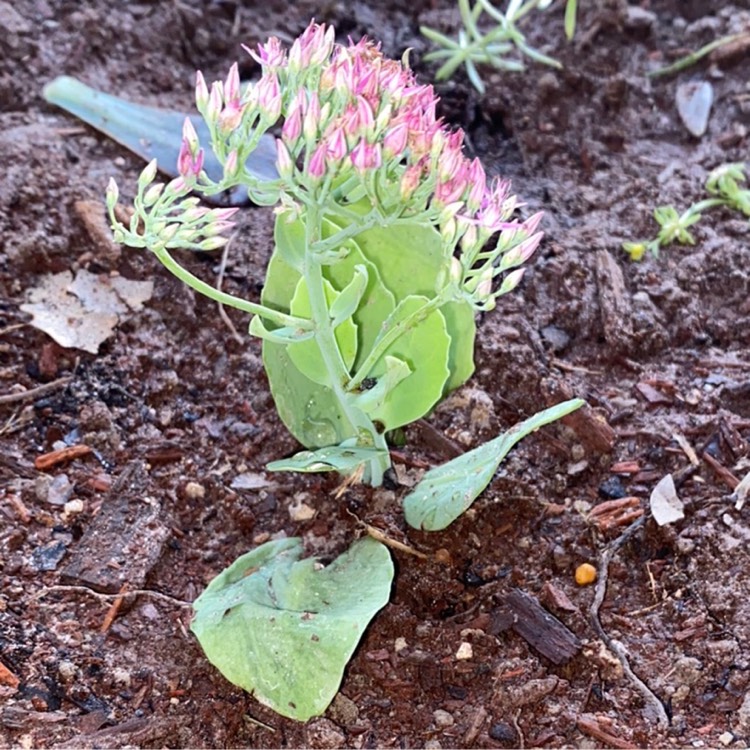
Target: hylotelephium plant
{"x": 382, "y": 257}
{"x": 388, "y": 241}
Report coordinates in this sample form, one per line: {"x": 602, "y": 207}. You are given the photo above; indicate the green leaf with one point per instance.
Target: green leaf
{"x": 347, "y": 302}
{"x": 448, "y": 490}
{"x": 424, "y": 347}
{"x": 409, "y": 260}
{"x": 339, "y": 458}
{"x": 371, "y": 401}
{"x": 284, "y": 628}
{"x": 306, "y": 354}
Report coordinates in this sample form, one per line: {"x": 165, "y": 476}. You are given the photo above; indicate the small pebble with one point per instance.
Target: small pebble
{"x": 465, "y": 651}
{"x": 67, "y": 671}
{"x": 195, "y": 491}
{"x": 73, "y": 507}
{"x": 442, "y": 718}
{"x": 726, "y": 739}
{"x": 585, "y": 574}
{"x": 60, "y": 490}
{"x": 121, "y": 677}
{"x": 399, "y": 645}
{"x": 301, "y": 512}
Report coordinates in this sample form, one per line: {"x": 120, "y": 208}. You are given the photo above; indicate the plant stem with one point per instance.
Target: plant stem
{"x": 360, "y": 423}
{"x": 280, "y": 318}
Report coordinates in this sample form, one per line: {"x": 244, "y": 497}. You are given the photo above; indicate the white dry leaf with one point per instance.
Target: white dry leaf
{"x": 741, "y": 491}
{"x": 81, "y": 312}
{"x": 666, "y": 507}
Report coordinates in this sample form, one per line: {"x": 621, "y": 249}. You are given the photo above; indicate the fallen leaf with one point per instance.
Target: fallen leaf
{"x": 666, "y": 507}
{"x": 81, "y": 312}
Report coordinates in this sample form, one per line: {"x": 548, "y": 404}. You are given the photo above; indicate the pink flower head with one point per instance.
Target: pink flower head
{"x": 312, "y": 47}
{"x": 492, "y": 216}
{"x": 410, "y": 180}
{"x": 270, "y": 55}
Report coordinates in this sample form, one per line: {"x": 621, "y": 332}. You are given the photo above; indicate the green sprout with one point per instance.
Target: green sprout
{"x": 474, "y": 47}
{"x": 723, "y": 183}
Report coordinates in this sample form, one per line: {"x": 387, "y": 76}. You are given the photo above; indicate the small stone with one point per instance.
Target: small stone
{"x": 502, "y": 732}
{"x": 432, "y": 745}
{"x": 465, "y": 651}
{"x": 121, "y": 677}
{"x": 694, "y": 100}
{"x": 726, "y": 739}
{"x": 323, "y": 733}
{"x": 344, "y": 711}
{"x": 399, "y": 645}
{"x": 612, "y": 489}
{"x": 301, "y": 511}
{"x": 577, "y": 468}
{"x": 48, "y": 556}
{"x": 195, "y": 491}
{"x": 67, "y": 671}
{"x": 73, "y": 507}
{"x": 60, "y": 490}
{"x": 639, "y": 19}
{"x": 442, "y": 718}
{"x": 555, "y": 338}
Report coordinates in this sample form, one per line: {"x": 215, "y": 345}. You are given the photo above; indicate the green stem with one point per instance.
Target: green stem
{"x": 281, "y": 319}
{"x": 382, "y": 343}
{"x": 325, "y": 338}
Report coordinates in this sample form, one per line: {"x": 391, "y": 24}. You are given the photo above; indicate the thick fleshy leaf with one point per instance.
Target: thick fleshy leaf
{"x": 284, "y": 335}
{"x": 409, "y": 260}
{"x": 424, "y": 347}
{"x": 339, "y": 458}
{"x": 284, "y": 628}
{"x": 306, "y": 355}
{"x": 448, "y": 490}
{"x": 151, "y": 132}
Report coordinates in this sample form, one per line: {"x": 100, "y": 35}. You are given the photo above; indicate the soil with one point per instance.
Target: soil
{"x": 175, "y": 408}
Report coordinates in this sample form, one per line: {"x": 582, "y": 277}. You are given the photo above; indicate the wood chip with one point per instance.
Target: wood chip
{"x": 614, "y": 303}
{"x": 722, "y": 472}
{"x": 49, "y": 460}
{"x": 124, "y": 540}
{"x": 523, "y": 613}
{"x": 589, "y": 725}
{"x": 7, "y": 677}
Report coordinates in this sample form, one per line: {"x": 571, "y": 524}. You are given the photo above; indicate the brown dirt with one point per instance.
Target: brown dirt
{"x": 659, "y": 350}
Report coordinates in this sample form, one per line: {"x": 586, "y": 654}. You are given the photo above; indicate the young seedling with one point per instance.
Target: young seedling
{"x": 474, "y": 47}
{"x": 388, "y": 241}
{"x": 723, "y": 183}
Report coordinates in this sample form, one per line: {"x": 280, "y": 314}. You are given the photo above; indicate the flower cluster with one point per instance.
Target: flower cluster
{"x": 358, "y": 126}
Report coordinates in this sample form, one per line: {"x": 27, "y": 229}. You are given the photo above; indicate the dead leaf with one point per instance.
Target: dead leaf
{"x": 666, "y": 507}
{"x": 82, "y": 312}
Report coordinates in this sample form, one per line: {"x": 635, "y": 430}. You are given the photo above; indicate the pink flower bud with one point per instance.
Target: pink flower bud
{"x": 230, "y": 118}
{"x": 201, "y": 92}
{"x": 215, "y": 102}
{"x": 189, "y": 165}
{"x": 284, "y": 163}
{"x": 337, "y": 145}
{"x": 511, "y": 281}
{"x": 292, "y": 128}
{"x": 232, "y": 85}
{"x": 366, "y": 156}
{"x": 231, "y": 164}
{"x": 189, "y": 136}
{"x": 221, "y": 214}
{"x": 394, "y": 141}
{"x": 531, "y": 224}
{"x": 269, "y": 97}
{"x": 477, "y": 185}
{"x": 410, "y": 181}
{"x": 317, "y": 166}
{"x": 311, "y": 124}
